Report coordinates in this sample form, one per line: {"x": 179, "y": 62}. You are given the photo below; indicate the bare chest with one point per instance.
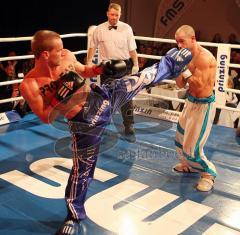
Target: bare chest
{"x": 49, "y": 85}
{"x": 192, "y": 66}
{"x": 47, "y": 88}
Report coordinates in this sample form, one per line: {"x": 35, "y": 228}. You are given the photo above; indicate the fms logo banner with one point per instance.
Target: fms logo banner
{"x": 169, "y": 12}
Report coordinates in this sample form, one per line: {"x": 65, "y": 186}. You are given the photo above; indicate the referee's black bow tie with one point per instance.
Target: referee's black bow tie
{"x": 112, "y": 27}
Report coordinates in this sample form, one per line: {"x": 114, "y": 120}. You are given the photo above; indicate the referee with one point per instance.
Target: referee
{"x": 115, "y": 41}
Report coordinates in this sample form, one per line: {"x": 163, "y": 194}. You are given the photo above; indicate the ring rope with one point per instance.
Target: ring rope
{"x": 183, "y": 101}
{"x": 23, "y": 57}
{"x": 19, "y": 39}
{"x": 234, "y": 65}
{"x": 11, "y": 82}
{"x": 149, "y": 56}
{"x": 232, "y": 90}
{"x": 11, "y": 99}
{"x": 210, "y": 44}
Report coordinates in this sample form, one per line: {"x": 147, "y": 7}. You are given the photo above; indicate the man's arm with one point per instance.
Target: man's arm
{"x": 90, "y": 54}
{"x": 134, "y": 57}
{"x": 108, "y": 67}
{"x": 30, "y": 92}
{"x": 181, "y": 82}
{"x": 198, "y": 78}
{"x": 86, "y": 71}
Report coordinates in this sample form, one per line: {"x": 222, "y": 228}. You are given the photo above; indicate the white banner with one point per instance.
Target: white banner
{"x": 223, "y": 59}
{"x": 153, "y": 112}
{"x": 3, "y": 119}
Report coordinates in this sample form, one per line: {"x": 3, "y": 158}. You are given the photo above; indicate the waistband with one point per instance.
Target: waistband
{"x": 206, "y": 100}
{"x": 126, "y": 60}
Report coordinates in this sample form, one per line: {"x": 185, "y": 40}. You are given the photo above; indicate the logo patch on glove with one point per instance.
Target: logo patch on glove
{"x": 65, "y": 89}
{"x": 181, "y": 54}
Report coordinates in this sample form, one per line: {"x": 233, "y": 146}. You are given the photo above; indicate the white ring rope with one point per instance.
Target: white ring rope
{"x": 149, "y": 56}
{"x": 23, "y": 57}
{"x": 140, "y": 55}
{"x": 162, "y": 97}
{"x": 11, "y": 99}
{"x": 11, "y": 82}
{"x": 234, "y": 65}
{"x": 232, "y": 90}
{"x": 183, "y": 101}
{"x": 210, "y": 44}
{"x": 20, "y": 39}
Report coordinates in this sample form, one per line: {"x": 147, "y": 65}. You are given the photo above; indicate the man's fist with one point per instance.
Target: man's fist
{"x": 135, "y": 69}
{"x": 180, "y": 59}
{"x": 111, "y": 68}
{"x": 114, "y": 68}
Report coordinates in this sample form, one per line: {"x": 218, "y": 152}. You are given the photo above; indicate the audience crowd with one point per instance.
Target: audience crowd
{"x": 12, "y": 70}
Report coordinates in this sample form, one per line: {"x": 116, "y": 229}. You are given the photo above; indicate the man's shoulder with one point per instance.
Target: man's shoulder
{"x": 102, "y": 25}
{"x": 206, "y": 55}
{"x": 68, "y": 57}
{"x": 32, "y": 73}
{"x": 123, "y": 24}
{"x": 27, "y": 83}
{"x": 67, "y": 53}
{"x": 206, "y": 59}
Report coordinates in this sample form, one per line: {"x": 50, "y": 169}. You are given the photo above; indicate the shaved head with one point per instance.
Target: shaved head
{"x": 187, "y": 30}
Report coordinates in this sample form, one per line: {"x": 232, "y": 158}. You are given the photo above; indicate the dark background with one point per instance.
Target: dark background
{"x": 24, "y": 18}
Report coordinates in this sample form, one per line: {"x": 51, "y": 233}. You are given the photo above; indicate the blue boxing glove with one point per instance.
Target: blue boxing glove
{"x": 180, "y": 59}
{"x": 170, "y": 66}
{"x": 172, "y": 52}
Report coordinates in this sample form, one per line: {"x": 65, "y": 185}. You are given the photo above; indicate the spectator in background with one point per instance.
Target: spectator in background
{"x": 6, "y": 91}
{"x": 142, "y": 48}
{"x": 232, "y": 39}
{"x": 235, "y": 73}
{"x": 28, "y": 64}
{"x": 236, "y": 82}
{"x": 149, "y": 51}
{"x": 11, "y": 54}
{"x": 231, "y": 98}
{"x": 217, "y": 38}
{"x": 142, "y": 63}
{"x": 13, "y": 62}
{"x": 228, "y": 118}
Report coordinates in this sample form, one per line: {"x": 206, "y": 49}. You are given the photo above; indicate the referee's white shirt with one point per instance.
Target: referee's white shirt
{"x": 115, "y": 43}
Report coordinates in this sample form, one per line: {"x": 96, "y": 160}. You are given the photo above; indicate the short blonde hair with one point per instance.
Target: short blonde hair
{"x": 43, "y": 41}
{"x": 115, "y": 6}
